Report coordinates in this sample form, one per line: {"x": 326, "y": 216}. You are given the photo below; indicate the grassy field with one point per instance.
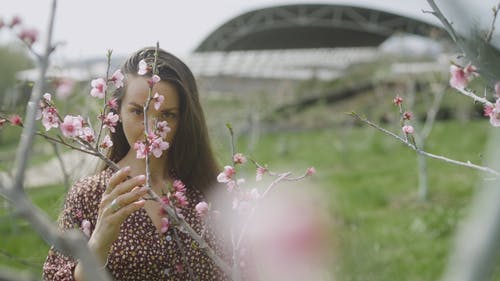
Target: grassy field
{"x": 383, "y": 231}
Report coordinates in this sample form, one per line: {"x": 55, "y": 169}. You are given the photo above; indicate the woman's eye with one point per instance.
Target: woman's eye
{"x": 137, "y": 111}
{"x": 169, "y": 115}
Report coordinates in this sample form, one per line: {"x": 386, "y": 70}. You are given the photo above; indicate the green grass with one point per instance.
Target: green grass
{"x": 20, "y": 246}
{"x": 381, "y": 229}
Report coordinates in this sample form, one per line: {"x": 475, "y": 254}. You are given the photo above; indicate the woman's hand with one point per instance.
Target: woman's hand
{"x": 119, "y": 200}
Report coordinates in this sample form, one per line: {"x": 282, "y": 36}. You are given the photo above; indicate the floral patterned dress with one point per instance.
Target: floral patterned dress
{"x": 140, "y": 252}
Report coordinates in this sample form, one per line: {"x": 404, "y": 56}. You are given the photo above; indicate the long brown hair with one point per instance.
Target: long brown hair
{"x": 190, "y": 156}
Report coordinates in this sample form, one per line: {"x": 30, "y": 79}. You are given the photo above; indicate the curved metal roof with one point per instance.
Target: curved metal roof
{"x": 298, "y": 26}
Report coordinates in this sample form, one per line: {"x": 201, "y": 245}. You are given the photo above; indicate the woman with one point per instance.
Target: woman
{"x": 127, "y": 233}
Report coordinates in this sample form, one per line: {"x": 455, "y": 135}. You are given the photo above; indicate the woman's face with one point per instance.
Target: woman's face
{"x": 131, "y": 111}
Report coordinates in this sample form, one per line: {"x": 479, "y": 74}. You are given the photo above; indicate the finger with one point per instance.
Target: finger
{"x": 125, "y": 199}
{"x": 117, "y": 178}
{"x": 124, "y": 212}
{"x": 127, "y": 185}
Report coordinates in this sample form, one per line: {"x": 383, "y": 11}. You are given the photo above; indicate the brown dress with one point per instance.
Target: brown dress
{"x": 140, "y": 252}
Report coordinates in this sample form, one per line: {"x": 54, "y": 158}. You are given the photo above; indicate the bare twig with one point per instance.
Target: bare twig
{"x": 63, "y": 166}
{"x": 412, "y": 146}
{"x": 447, "y": 25}
{"x": 492, "y": 26}
{"x": 71, "y": 241}
{"x": 23, "y": 151}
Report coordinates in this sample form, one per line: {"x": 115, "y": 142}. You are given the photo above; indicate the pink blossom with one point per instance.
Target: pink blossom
{"x": 254, "y": 194}
{"x": 29, "y": 36}
{"x": 162, "y": 128}
{"x": 15, "y": 120}
{"x": 260, "y": 172}
{"x": 164, "y": 200}
{"x": 47, "y": 97}
{"x": 16, "y": 20}
{"x": 157, "y": 147}
{"x": 113, "y": 103}
{"x": 460, "y": 77}
{"x": 141, "y": 150}
{"x": 106, "y": 142}
{"x": 98, "y": 88}
{"x": 201, "y": 209}
{"x": 158, "y": 100}
{"x": 408, "y": 129}
{"x": 407, "y": 115}
{"x": 181, "y": 198}
{"x": 154, "y": 79}
{"x": 110, "y": 121}
{"x": 239, "y": 158}
{"x": 87, "y": 134}
{"x": 179, "y": 186}
{"x": 398, "y": 100}
{"x": 49, "y": 117}
{"x": 310, "y": 171}
{"x": 86, "y": 227}
{"x": 117, "y": 79}
{"x": 143, "y": 67}
{"x": 488, "y": 110}
{"x": 71, "y": 126}
{"x": 230, "y": 185}
{"x": 226, "y": 175}
{"x": 165, "y": 224}
{"x": 495, "y": 114}
{"x": 64, "y": 87}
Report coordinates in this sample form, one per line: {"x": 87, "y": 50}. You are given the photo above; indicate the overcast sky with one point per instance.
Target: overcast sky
{"x": 88, "y": 28}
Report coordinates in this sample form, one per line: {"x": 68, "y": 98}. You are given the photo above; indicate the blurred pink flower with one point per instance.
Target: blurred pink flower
{"x": 141, "y": 149}
{"x": 29, "y": 36}
{"x": 310, "y": 171}
{"x": 202, "y": 209}
{"x": 259, "y": 173}
{"x": 407, "y": 115}
{"x": 460, "y": 77}
{"x": 157, "y": 146}
{"x": 158, "y": 100}
{"x": 98, "y": 88}
{"x": 87, "y": 134}
{"x": 226, "y": 175}
{"x": 181, "y": 198}
{"x": 398, "y": 100}
{"x": 71, "y": 126}
{"x": 117, "y": 79}
{"x": 143, "y": 67}
{"x": 495, "y": 114}
{"x": 239, "y": 158}
{"x": 153, "y": 80}
{"x": 179, "y": 186}
{"x": 408, "y": 129}
{"x": 113, "y": 103}
{"x": 110, "y": 121}
{"x": 64, "y": 87}
{"x": 162, "y": 128}
{"x": 49, "y": 117}
{"x": 86, "y": 227}
{"x": 16, "y": 20}
{"x": 165, "y": 224}
{"x": 106, "y": 142}
{"x": 15, "y": 120}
